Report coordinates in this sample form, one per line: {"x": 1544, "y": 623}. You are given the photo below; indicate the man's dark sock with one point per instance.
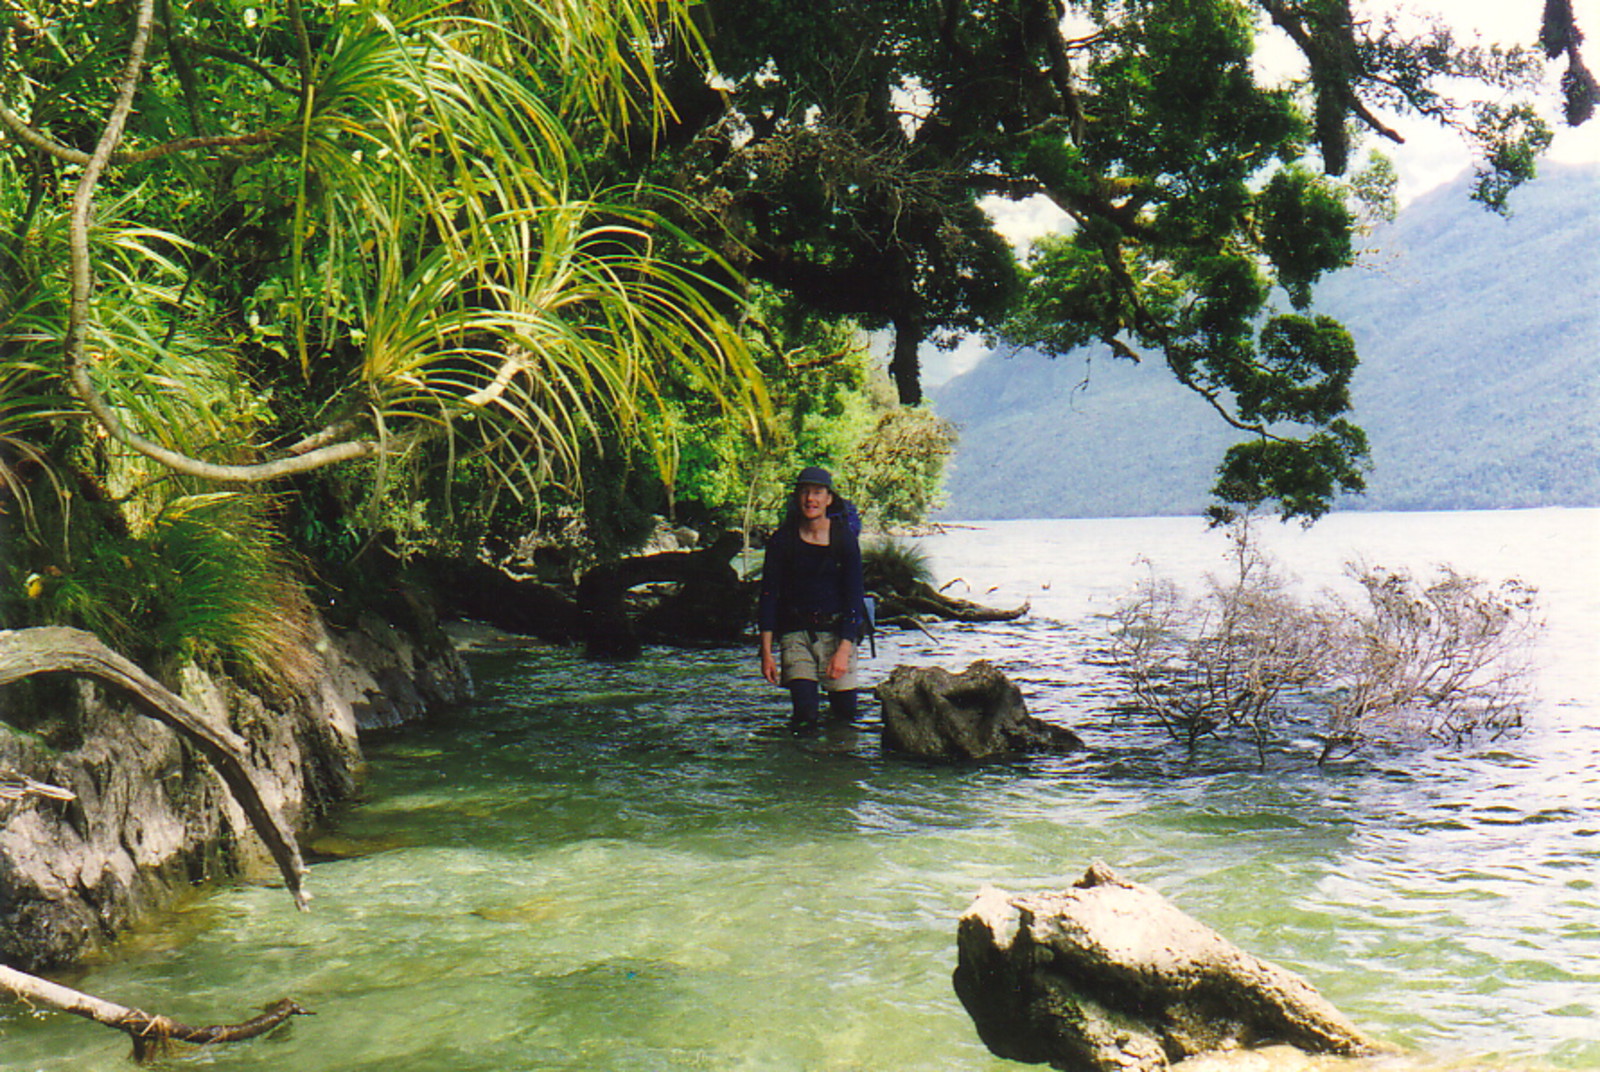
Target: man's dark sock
{"x": 842, "y": 705}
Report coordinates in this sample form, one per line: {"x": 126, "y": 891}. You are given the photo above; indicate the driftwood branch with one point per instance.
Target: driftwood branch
{"x": 149, "y": 1033}
{"x": 897, "y": 605}
{"x": 58, "y": 649}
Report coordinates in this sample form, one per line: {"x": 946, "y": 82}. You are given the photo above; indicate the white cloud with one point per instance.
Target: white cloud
{"x": 939, "y": 366}
{"x": 1022, "y": 222}
{"x": 1432, "y": 155}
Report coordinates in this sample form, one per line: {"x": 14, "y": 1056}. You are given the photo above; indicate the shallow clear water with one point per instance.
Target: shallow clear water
{"x": 632, "y": 867}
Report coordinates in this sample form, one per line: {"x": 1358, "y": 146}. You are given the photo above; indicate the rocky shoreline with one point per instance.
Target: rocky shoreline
{"x": 152, "y": 819}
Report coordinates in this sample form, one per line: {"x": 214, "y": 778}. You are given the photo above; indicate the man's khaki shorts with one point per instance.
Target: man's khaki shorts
{"x": 804, "y": 656}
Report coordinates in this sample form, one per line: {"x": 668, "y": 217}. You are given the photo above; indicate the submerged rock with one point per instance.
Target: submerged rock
{"x": 1109, "y": 975}
{"x": 975, "y": 714}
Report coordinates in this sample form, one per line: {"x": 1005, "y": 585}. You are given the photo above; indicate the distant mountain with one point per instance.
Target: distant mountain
{"x": 1479, "y": 383}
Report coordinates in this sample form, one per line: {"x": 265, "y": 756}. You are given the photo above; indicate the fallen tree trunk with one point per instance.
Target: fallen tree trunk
{"x": 472, "y": 589}
{"x": 149, "y": 1033}
{"x": 711, "y": 606}
{"x": 58, "y": 649}
{"x": 899, "y": 606}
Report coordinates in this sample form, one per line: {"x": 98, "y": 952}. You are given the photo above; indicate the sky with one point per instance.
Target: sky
{"x": 1429, "y": 157}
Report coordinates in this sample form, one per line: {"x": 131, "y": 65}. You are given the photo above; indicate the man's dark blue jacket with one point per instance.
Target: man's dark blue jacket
{"x": 825, "y": 597}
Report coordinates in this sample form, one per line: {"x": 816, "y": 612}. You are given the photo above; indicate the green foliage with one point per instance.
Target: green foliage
{"x": 398, "y": 242}
{"x": 1193, "y": 280}
{"x": 1302, "y": 373}
{"x": 897, "y": 469}
{"x": 1373, "y": 189}
{"x": 1305, "y": 230}
{"x": 837, "y": 411}
{"x": 1488, "y": 312}
{"x": 207, "y": 578}
{"x": 1512, "y": 139}
{"x": 1301, "y": 474}
{"x": 222, "y": 583}
{"x": 430, "y": 226}
{"x": 26, "y": 399}
{"x": 846, "y": 147}
{"x": 891, "y": 565}
{"x": 1071, "y": 295}
{"x": 394, "y": 234}
{"x": 1420, "y": 74}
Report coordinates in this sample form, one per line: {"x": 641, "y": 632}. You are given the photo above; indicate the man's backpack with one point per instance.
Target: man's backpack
{"x": 869, "y": 622}
{"x": 845, "y": 511}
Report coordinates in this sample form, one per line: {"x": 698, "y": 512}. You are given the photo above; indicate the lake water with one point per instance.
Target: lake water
{"x": 617, "y": 867}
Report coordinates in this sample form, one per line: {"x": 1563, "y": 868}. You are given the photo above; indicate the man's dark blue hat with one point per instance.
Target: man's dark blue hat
{"x": 812, "y": 474}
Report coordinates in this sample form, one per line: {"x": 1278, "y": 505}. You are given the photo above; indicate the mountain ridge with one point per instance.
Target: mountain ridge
{"x": 1479, "y": 384}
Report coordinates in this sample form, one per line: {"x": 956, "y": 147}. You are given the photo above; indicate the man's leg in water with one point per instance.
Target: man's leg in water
{"x": 807, "y": 704}
{"x": 842, "y": 705}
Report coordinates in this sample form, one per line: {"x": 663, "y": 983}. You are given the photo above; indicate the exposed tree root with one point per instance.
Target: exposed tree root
{"x": 897, "y": 606}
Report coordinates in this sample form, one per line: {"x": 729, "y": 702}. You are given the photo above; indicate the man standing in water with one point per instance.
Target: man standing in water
{"x": 811, "y": 602}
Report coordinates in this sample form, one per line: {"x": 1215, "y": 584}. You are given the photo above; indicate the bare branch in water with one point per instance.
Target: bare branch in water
{"x": 150, "y": 1034}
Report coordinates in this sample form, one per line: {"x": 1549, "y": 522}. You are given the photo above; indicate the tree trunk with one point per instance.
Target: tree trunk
{"x": 472, "y": 589}
{"x": 712, "y": 605}
{"x": 898, "y": 605}
{"x": 58, "y": 649}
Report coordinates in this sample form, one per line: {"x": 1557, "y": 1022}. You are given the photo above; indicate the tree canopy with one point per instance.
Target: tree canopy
{"x": 243, "y": 243}
{"x": 845, "y": 149}
{"x": 461, "y": 249}
{"x": 379, "y": 209}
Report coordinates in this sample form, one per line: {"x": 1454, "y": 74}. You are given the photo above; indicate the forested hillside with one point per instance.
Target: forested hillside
{"x": 1479, "y": 382}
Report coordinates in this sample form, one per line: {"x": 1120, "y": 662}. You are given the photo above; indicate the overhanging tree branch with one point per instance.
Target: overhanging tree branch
{"x": 82, "y": 286}
{"x": 26, "y": 134}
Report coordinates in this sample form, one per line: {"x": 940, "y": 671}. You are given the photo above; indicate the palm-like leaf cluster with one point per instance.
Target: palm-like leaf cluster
{"x": 445, "y": 270}
{"x": 499, "y": 303}
{"x": 425, "y": 270}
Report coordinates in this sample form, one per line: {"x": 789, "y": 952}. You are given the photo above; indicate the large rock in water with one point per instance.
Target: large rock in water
{"x": 977, "y": 713}
{"x": 1108, "y": 975}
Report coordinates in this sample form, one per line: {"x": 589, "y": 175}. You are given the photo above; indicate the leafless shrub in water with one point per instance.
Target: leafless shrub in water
{"x": 1444, "y": 659}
